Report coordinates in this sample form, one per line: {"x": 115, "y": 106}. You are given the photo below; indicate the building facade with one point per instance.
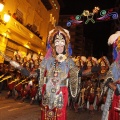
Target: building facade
{"x": 28, "y": 26}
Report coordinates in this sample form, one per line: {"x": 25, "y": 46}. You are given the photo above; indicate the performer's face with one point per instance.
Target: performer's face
{"x": 59, "y": 43}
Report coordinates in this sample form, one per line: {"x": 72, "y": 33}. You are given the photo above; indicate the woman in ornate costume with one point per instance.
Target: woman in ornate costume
{"x": 57, "y": 67}
{"x": 112, "y": 82}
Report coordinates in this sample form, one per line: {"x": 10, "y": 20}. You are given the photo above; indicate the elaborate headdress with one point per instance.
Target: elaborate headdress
{"x": 29, "y": 56}
{"x": 35, "y": 56}
{"x": 112, "y": 39}
{"x": 83, "y": 58}
{"x": 115, "y": 40}
{"x": 107, "y": 61}
{"x": 89, "y": 61}
{"x": 50, "y": 42}
{"x": 103, "y": 61}
{"x": 94, "y": 59}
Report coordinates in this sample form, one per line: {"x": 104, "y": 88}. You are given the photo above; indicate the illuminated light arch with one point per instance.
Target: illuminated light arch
{"x": 86, "y": 16}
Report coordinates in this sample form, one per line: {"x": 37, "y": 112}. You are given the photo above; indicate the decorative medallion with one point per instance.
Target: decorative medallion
{"x": 61, "y": 57}
{"x": 53, "y": 90}
{"x": 54, "y": 81}
{"x": 50, "y": 114}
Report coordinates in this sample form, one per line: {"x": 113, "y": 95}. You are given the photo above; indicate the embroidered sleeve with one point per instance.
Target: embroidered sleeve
{"x": 42, "y": 71}
{"x": 74, "y": 80}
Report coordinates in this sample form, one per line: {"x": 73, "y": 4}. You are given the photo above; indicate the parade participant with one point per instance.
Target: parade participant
{"x": 17, "y": 56}
{"x": 91, "y": 76}
{"x": 18, "y": 88}
{"x": 86, "y": 73}
{"x": 83, "y": 62}
{"x": 26, "y": 91}
{"x": 33, "y": 90}
{"x": 35, "y": 58}
{"x": 91, "y": 98}
{"x": 7, "y": 76}
{"x": 78, "y": 59}
{"x": 94, "y": 77}
{"x": 12, "y": 82}
{"x": 91, "y": 68}
{"x": 104, "y": 67}
{"x": 110, "y": 111}
{"x": 80, "y": 101}
{"x": 59, "y": 66}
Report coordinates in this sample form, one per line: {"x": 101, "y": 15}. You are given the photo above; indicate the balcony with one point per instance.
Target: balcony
{"x": 22, "y": 35}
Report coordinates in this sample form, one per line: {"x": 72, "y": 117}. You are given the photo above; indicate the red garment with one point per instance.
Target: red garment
{"x": 91, "y": 98}
{"x": 62, "y": 111}
{"x": 33, "y": 92}
{"x": 114, "y": 114}
{"x": 18, "y": 87}
{"x": 11, "y": 86}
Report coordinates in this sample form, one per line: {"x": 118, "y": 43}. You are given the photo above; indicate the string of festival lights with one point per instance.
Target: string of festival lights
{"x": 95, "y": 16}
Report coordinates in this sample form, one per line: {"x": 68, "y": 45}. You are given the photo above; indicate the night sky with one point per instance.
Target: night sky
{"x": 99, "y": 32}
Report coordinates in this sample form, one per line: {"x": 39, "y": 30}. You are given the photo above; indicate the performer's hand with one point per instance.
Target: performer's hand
{"x": 118, "y": 81}
{"x": 109, "y": 80}
{"x": 112, "y": 85}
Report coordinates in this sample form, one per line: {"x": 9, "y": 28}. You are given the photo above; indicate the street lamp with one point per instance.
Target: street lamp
{"x": 1, "y": 5}
{"x": 6, "y": 17}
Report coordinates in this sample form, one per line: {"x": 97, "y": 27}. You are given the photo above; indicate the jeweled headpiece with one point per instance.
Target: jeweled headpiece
{"x": 53, "y": 34}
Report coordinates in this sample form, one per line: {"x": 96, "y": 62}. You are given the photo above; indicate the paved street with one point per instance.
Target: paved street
{"x": 15, "y": 110}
